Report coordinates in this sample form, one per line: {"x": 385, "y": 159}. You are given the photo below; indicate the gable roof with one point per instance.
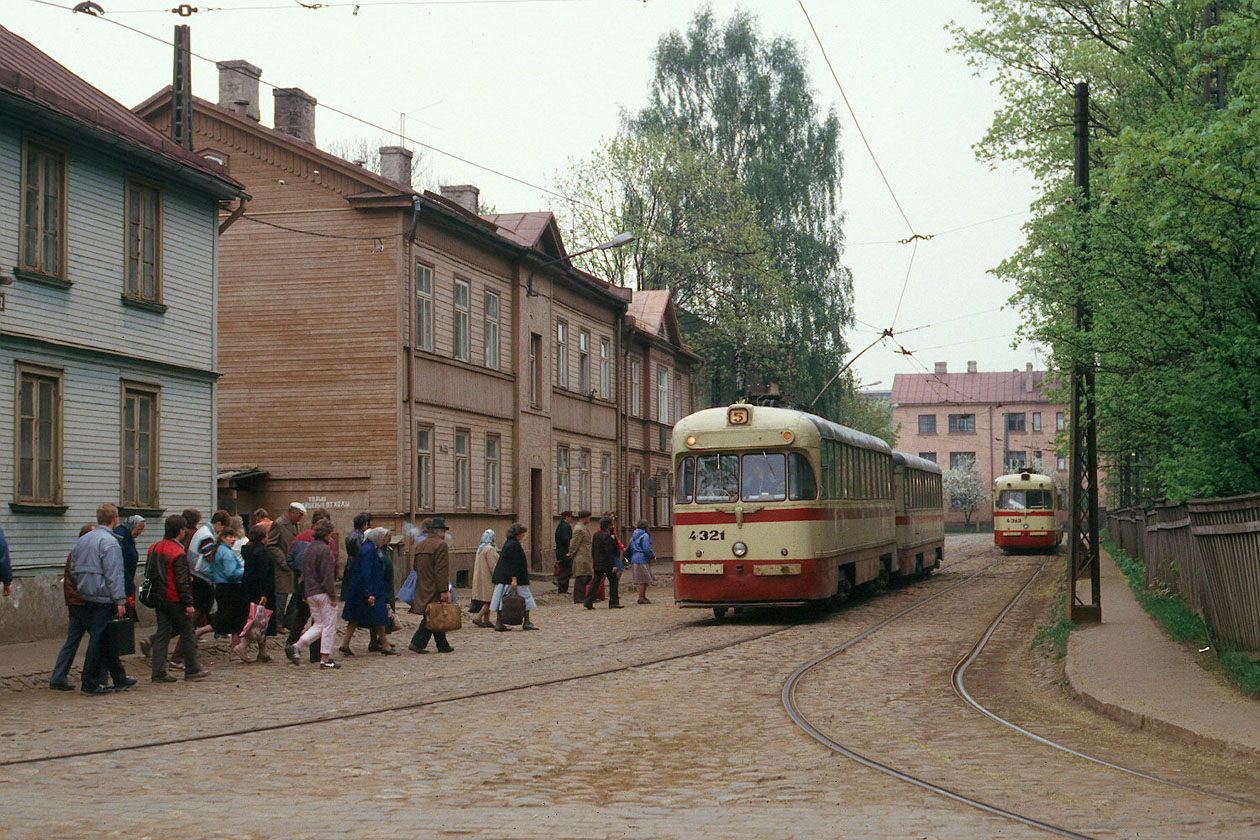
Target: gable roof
{"x": 652, "y": 312}
{"x": 533, "y": 230}
{"x": 31, "y": 75}
{"x": 962, "y": 388}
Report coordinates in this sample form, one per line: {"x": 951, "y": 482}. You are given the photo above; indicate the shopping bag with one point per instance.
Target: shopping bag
{"x": 512, "y": 608}
{"x": 407, "y": 592}
{"x": 120, "y": 637}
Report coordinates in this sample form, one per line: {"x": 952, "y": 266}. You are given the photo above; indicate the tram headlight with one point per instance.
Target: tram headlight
{"x": 739, "y": 549}
{"x": 691, "y": 440}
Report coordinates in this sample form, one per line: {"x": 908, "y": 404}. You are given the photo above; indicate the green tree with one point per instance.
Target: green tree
{"x": 1165, "y": 257}
{"x": 745, "y": 101}
{"x": 696, "y": 234}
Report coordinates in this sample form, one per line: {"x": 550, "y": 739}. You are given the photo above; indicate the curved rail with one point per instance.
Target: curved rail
{"x": 789, "y": 703}
{"x": 960, "y": 671}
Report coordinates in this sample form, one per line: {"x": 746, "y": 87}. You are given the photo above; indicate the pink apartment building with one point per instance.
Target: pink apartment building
{"x": 1002, "y": 420}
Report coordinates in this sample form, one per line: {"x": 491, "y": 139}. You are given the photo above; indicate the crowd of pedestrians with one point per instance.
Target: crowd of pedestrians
{"x": 212, "y": 577}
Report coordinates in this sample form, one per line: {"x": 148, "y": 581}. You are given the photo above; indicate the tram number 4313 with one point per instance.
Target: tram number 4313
{"x": 708, "y": 535}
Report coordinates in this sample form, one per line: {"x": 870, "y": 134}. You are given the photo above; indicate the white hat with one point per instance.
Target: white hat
{"x": 298, "y": 506}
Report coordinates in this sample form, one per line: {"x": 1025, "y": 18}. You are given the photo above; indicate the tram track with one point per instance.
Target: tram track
{"x": 957, "y": 680}
{"x": 798, "y": 717}
{"x": 441, "y": 700}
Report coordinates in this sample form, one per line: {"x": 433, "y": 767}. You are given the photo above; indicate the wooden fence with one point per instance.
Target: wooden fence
{"x": 1207, "y": 552}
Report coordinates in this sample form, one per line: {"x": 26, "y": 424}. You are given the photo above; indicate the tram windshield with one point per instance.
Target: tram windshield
{"x": 750, "y": 476}
{"x": 1025, "y": 500}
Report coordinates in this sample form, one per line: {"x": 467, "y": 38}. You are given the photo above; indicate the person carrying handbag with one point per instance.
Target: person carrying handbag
{"x": 512, "y": 573}
{"x": 431, "y": 563}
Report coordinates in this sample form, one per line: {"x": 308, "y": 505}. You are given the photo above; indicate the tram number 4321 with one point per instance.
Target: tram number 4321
{"x": 708, "y": 535}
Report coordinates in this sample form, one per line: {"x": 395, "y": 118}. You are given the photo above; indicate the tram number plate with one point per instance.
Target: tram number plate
{"x": 701, "y": 568}
{"x": 778, "y": 569}
{"x": 707, "y": 535}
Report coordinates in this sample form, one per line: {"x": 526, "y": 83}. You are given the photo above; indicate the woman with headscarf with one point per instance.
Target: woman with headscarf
{"x": 127, "y": 532}
{"x": 483, "y": 579}
{"x": 365, "y": 600}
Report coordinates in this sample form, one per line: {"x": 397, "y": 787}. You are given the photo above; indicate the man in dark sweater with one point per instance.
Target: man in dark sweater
{"x": 564, "y": 563}
{"x": 604, "y": 553}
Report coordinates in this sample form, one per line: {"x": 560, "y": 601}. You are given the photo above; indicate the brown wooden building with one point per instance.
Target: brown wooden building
{"x": 660, "y": 389}
{"x": 389, "y": 350}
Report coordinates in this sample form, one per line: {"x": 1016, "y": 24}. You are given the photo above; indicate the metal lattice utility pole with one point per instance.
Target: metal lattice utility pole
{"x": 1214, "y": 81}
{"x": 1083, "y": 493}
{"x": 181, "y": 89}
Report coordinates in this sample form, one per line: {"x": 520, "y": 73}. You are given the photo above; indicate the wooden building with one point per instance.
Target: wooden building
{"x": 392, "y": 351}
{"x": 108, "y": 256}
{"x": 660, "y": 389}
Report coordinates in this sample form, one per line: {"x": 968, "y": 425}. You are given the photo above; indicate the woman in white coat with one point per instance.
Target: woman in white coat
{"x": 482, "y": 585}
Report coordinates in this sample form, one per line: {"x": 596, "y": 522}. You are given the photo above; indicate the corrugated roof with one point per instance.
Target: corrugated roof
{"x": 30, "y": 74}
{"x": 957, "y": 388}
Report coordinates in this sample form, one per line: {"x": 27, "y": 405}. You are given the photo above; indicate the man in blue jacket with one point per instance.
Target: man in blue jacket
{"x": 96, "y": 564}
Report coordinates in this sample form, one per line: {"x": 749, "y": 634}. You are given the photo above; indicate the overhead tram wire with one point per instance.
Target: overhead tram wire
{"x": 186, "y": 9}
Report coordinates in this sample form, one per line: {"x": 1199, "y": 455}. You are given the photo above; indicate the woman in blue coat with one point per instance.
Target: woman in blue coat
{"x": 366, "y": 598}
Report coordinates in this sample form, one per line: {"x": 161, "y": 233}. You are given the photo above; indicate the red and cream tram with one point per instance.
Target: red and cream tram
{"x": 1025, "y": 512}
{"x": 920, "y": 515}
{"x": 778, "y": 507}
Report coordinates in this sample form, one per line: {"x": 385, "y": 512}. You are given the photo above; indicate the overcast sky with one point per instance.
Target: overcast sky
{"x": 523, "y": 86}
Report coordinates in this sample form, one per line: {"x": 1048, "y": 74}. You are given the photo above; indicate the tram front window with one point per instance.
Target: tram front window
{"x": 765, "y": 477}
{"x": 1025, "y": 500}
{"x": 717, "y": 478}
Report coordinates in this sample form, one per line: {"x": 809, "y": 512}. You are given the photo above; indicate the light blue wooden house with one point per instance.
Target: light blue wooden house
{"x": 108, "y": 237}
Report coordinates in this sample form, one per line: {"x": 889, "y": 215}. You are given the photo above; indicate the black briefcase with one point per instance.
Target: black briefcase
{"x": 120, "y": 637}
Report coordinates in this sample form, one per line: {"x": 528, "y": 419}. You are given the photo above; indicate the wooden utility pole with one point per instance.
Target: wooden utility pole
{"x": 181, "y": 88}
{"x": 1083, "y": 558}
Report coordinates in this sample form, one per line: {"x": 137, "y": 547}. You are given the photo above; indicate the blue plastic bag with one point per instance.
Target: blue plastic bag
{"x": 407, "y": 593}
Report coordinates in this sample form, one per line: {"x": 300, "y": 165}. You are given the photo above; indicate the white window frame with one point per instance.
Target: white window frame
{"x": 461, "y": 341}
{"x": 584, "y": 362}
{"x": 490, "y": 309}
{"x": 636, "y": 387}
{"x": 137, "y": 441}
{"x": 605, "y": 369}
{"x": 535, "y": 369}
{"x": 678, "y": 397}
{"x": 494, "y": 455}
{"x": 562, "y": 354}
{"x": 424, "y": 307}
{"x": 563, "y": 497}
{"x": 662, "y": 394}
{"x": 605, "y": 481}
{"x": 463, "y": 483}
{"x": 584, "y": 479}
{"x": 424, "y": 466}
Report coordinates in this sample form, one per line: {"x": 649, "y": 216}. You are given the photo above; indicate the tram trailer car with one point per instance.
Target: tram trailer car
{"x": 1025, "y": 513}
{"x": 920, "y": 515}
{"x": 777, "y": 507}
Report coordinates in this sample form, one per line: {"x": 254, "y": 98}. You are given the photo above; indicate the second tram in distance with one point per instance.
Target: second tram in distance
{"x": 777, "y": 507}
{"x": 1025, "y": 513}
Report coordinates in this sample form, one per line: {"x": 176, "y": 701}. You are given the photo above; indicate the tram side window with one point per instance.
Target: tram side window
{"x": 717, "y": 478}
{"x": 828, "y": 463}
{"x": 846, "y": 473}
{"x": 765, "y": 477}
{"x": 686, "y": 478}
{"x": 801, "y": 482}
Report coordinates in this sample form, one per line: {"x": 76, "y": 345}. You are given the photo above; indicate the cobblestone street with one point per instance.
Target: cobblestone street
{"x": 695, "y": 746}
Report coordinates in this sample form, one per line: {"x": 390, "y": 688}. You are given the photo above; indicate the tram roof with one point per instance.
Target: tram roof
{"x": 905, "y": 459}
{"x": 1017, "y": 481}
{"x": 783, "y": 418}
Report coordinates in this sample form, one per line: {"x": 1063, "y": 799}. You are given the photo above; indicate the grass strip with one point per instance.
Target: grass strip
{"x": 1184, "y": 624}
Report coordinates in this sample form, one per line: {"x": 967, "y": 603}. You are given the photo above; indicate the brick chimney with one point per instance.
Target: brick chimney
{"x": 238, "y": 87}
{"x": 1028, "y": 378}
{"x": 396, "y": 164}
{"x": 971, "y": 367}
{"x": 465, "y": 195}
{"x": 941, "y": 368}
{"x": 295, "y": 113}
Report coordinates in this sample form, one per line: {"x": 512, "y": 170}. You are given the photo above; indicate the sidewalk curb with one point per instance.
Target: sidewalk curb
{"x": 1141, "y": 721}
